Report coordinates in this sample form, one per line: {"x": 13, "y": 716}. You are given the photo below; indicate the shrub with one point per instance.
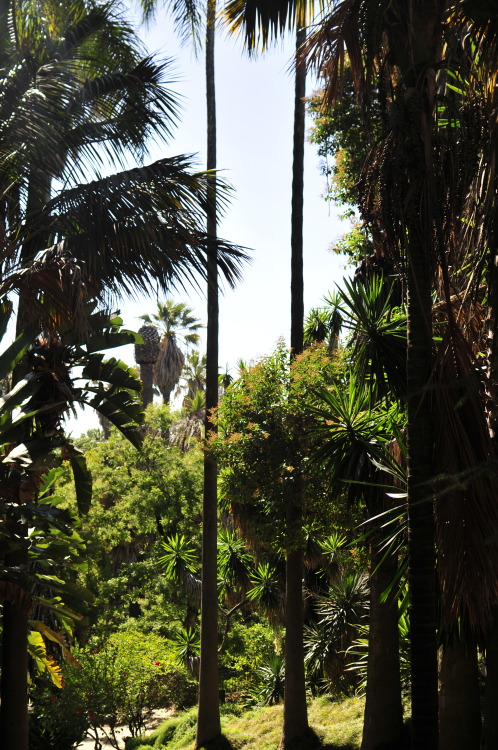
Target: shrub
{"x": 121, "y": 681}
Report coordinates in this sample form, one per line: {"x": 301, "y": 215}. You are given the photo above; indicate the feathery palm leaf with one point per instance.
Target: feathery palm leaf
{"x": 127, "y": 228}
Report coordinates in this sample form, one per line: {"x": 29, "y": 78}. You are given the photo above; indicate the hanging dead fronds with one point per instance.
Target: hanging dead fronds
{"x": 169, "y": 365}
{"x": 465, "y": 468}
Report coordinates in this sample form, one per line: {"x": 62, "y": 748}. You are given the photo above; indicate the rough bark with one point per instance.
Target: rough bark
{"x": 208, "y": 722}
{"x": 383, "y": 717}
{"x": 421, "y": 526}
{"x": 146, "y": 376}
{"x": 416, "y": 44}
{"x": 459, "y": 706}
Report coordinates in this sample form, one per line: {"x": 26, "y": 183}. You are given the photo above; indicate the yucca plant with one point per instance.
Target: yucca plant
{"x": 270, "y": 687}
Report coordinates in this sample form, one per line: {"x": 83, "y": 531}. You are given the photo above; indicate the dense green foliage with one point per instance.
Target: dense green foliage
{"x": 113, "y": 682}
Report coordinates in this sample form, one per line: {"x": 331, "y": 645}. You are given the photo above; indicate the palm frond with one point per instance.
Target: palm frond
{"x": 138, "y": 225}
{"x": 261, "y": 22}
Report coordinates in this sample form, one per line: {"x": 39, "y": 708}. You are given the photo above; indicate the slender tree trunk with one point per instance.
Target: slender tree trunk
{"x": 208, "y": 722}
{"x": 490, "y": 714}
{"x": 383, "y": 718}
{"x": 297, "y": 200}
{"x": 295, "y": 724}
{"x": 417, "y": 48}
{"x": 459, "y": 705}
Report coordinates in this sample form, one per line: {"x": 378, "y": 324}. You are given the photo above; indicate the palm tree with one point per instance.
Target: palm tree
{"x": 47, "y": 391}
{"x": 353, "y": 438}
{"x": 412, "y": 200}
{"x": 71, "y": 85}
{"x": 261, "y": 22}
{"x": 188, "y": 17}
{"x": 194, "y": 374}
{"x": 175, "y": 321}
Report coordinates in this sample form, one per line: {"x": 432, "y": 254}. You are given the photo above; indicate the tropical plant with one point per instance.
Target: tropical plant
{"x": 355, "y": 429}
{"x": 194, "y": 374}
{"x": 175, "y": 322}
{"x": 420, "y": 201}
{"x": 265, "y": 467}
{"x": 38, "y": 538}
{"x": 270, "y": 686}
{"x": 73, "y": 81}
{"x": 260, "y": 23}
{"x": 340, "y": 616}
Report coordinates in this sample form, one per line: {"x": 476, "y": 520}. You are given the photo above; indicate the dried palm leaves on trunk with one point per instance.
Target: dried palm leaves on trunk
{"x": 169, "y": 366}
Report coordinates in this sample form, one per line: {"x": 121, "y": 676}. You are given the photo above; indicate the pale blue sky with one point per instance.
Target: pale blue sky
{"x": 255, "y": 101}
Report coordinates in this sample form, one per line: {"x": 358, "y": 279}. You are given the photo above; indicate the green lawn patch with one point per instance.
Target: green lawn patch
{"x": 337, "y": 724}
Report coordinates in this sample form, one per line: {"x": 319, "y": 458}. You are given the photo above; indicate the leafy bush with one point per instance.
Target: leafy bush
{"x": 248, "y": 647}
{"x": 58, "y": 719}
{"x": 120, "y": 681}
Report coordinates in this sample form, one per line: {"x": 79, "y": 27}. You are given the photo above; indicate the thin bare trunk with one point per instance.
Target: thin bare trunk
{"x": 208, "y": 722}
{"x": 295, "y": 724}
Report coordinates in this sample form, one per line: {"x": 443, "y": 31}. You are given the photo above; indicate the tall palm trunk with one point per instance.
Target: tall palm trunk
{"x": 417, "y": 48}
{"x": 490, "y": 714}
{"x": 459, "y": 705}
{"x": 295, "y": 724}
{"x": 421, "y": 527}
{"x": 208, "y": 722}
{"x": 383, "y": 718}
{"x": 14, "y": 686}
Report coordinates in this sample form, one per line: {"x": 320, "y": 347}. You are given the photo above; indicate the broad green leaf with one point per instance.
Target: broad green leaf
{"x": 82, "y": 481}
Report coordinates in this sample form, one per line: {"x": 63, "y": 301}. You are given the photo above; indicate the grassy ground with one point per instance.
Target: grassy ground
{"x": 338, "y": 725}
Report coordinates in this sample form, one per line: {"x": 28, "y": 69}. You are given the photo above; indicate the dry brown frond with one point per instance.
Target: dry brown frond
{"x": 169, "y": 365}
